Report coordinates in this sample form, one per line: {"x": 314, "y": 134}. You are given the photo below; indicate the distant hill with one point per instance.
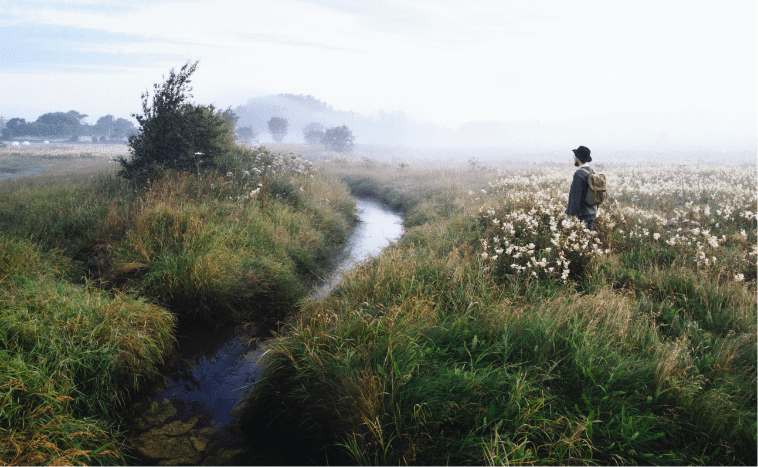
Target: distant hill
{"x": 650, "y": 133}
{"x": 301, "y": 111}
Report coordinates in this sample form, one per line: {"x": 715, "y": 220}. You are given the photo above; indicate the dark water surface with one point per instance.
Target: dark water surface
{"x": 215, "y": 366}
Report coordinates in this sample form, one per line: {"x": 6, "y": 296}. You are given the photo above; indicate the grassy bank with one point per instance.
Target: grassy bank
{"x": 498, "y": 332}
{"x": 95, "y": 273}
{"x": 422, "y": 191}
{"x": 69, "y": 354}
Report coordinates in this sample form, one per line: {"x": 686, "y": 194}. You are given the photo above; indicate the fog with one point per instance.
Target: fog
{"x": 651, "y": 137}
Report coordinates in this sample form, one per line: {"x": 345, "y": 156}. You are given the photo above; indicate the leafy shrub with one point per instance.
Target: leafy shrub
{"x": 175, "y": 134}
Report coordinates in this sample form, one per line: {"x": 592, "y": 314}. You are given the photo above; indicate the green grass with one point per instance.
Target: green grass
{"x": 95, "y": 272}
{"x": 436, "y": 354}
{"x": 460, "y": 345}
{"x": 69, "y": 356}
{"x": 201, "y": 246}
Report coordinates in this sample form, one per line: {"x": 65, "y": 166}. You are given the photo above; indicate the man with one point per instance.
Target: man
{"x": 577, "y": 206}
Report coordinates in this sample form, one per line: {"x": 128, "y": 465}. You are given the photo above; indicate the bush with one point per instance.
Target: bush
{"x": 175, "y": 134}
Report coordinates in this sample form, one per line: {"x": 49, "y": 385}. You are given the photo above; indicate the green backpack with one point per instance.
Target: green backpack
{"x": 596, "y": 187}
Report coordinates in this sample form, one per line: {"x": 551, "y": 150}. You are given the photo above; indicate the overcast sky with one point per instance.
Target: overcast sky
{"x": 443, "y": 62}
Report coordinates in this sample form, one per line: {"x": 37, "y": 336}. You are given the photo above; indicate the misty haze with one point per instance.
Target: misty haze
{"x": 311, "y": 232}
{"x": 615, "y": 138}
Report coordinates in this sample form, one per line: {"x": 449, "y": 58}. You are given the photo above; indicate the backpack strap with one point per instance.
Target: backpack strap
{"x": 589, "y": 170}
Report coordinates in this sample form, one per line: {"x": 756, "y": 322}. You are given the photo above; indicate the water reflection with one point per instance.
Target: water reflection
{"x": 378, "y": 227}
{"x": 210, "y": 375}
{"x": 216, "y": 366}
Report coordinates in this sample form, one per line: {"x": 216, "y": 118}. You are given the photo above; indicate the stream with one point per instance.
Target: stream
{"x": 189, "y": 420}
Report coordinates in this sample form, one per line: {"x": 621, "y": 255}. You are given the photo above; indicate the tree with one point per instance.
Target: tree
{"x": 16, "y": 127}
{"x": 313, "y": 133}
{"x": 80, "y": 122}
{"x": 104, "y": 125}
{"x": 338, "y": 139}
{"x": 56, "y": 124}
{"x": 112, "y": 127}
{"x": 277, "y": 126}
{"x": 230, "y": 118}
{"x": 78, "y": 116}
{"x": 246, "y": 133}
{"x": 123, "y": 128}
{"x": 314, "y": 137}
{"x": 172, "y": 131}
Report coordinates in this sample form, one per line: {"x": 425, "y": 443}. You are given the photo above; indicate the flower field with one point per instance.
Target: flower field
{"x": 703, "y": 216}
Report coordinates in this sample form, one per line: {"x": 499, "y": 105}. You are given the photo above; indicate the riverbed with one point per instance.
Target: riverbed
{"x": 190, "y": 419}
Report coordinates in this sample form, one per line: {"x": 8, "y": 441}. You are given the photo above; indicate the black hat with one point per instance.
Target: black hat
{"x": 583, "y": 154}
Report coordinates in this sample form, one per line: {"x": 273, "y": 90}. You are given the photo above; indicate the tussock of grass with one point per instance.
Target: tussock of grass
{"x": 206, "y": 255}
{"x": 202, "y": 246}
{"x": 68, "y": 357}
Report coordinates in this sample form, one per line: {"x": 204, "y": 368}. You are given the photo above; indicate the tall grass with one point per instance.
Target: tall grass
{"x": 95, "y": 272}
{"x": 69, "y": 356}
{"x": 208, "y": 246}
{"x": 197, "y": 251}
{"x": 420, "y": 193}
{"x": 448, "y": 350}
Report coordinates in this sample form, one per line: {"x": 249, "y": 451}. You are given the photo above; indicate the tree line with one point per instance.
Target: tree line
{"x": 67, "y": 124}
{"x": 339, "y": 138}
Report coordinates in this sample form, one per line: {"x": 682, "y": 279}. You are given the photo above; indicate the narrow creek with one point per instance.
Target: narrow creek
{"x": 189, "y": 419}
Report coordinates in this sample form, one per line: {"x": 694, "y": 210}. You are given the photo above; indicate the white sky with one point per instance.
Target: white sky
{"x": 444, "y": 62}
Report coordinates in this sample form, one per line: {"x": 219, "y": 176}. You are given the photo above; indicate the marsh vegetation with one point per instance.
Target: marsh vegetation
{"x": 97, "y": 271}
{"x": 498, "y": 332}
{"x": 495, "y": 332}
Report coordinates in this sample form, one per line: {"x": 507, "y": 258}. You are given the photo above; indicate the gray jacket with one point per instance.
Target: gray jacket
{"x": 576, "y": 204}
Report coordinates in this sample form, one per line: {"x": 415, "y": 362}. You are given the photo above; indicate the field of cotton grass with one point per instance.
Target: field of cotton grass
{"x": 499, "y": 331}
{"x": 702, "y": 215}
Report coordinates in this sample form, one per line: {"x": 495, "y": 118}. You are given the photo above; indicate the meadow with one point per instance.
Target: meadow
{"x": 496, "y": 331}
{"x": 96, "y": 273}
